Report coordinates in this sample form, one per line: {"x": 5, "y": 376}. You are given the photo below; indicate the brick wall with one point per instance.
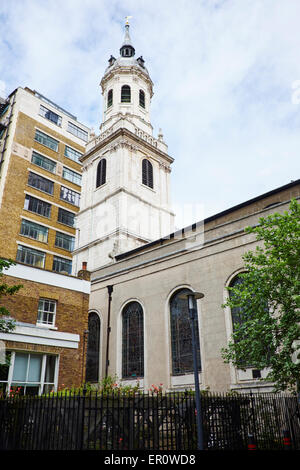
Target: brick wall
{"x": 71, "y": 317}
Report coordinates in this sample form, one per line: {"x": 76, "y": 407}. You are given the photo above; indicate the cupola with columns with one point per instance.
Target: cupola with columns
{"x": 127, "y": 88}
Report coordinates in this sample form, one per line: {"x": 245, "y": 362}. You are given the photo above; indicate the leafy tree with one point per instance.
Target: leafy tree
{"x": 267, "y": 333}
{"x": 7, "y": 324}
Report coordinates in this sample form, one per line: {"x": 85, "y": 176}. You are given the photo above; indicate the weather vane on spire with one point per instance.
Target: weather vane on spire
{"x": 127, "y": 19}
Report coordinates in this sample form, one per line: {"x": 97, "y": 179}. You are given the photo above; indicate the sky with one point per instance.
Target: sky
{"x": 226, "y": 79}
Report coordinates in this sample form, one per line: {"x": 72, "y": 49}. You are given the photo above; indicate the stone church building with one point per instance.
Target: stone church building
{"x": 138, "y": 325}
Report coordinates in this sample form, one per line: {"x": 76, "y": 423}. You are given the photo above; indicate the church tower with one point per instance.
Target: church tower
{"x": 125, "y": 198}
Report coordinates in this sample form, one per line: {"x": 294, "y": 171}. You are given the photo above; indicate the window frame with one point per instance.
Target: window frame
{"x": 46, "y": 140}
{"x": 60, "y": 211}
{"x": 75, "y": 154}
{"x": 50, "y": 115}
{"x": 110, "y": 98}
{"x": 34, "y": 252}
{"x": 93, "y": 352}
{"x": 60, "y": 260}
{"x": 73, "y": 176}
{"x": 142, "y": 99}
{"x": 46, "y": 161}
{"x": 77, "y": 131}
{"x": 178, "y": 351}
{"x": 62, "y": 240}
{"x": 38, "y": 203}
{"x": 101, "y": 173}
{"x": 43, "y": 312}
{"x": 130, "y": 359}
{"x": 125, "y": 94}
{"x": 34, "y": 225}
{"x": 72, "y": 193}
{"x": 42, "y": 183}
{"x": 147, "y": 173}
{"x": 43, "y": 385}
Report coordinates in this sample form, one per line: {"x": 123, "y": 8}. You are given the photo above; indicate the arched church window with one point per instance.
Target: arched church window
{"x": 236, "y": 312}
{"x": 101, "y": 173}
{"x": 181, "y": 335}
{"x": 132, "y": 341}
{"x": 142, "y": 98}
{"x": 147, "y": 173}
{"x": 93, "y": 348}
{"x": 109, "y": 98}
{"x": 239, "y": 315}
{"x": 125, "y": 94}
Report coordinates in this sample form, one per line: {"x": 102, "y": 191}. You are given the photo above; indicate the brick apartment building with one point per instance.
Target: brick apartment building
{"x": 40, "y": 186}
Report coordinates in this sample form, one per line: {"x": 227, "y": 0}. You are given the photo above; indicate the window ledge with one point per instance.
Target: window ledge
{"x": 148, "y": 187}
{"x": 47, "y": 327}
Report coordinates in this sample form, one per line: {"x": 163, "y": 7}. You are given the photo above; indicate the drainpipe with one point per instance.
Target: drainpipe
{"x": 110, "y": 290}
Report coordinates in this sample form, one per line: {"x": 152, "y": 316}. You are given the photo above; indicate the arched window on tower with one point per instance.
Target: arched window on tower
{"x": 181, "y": 335}
{"x": 93, "y": 348}
{"x": 109, "y": 98}
{"x": 132, "y": 341}
{"x": 101, "y": 173}
{"x": 147, "y": 173}
{"x": 125, "y": 94}
{"x": 142, "y": 98}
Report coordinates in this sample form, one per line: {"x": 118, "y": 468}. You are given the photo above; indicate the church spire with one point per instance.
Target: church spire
{"x": 127, "y": 49}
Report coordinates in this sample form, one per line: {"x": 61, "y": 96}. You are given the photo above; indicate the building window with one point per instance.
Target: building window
{"x": 109, "y": 98}
{"x": 132, "y": 341}
{"x": 40, "y": 183}
{"x": 29, "y": 373}
{"x": 93, "y": 348}
{"x": 50, "y": 115}
{"x": 46, "y": 312}
{"x": 147, "y": 173}
{"x": 125, "y": 94}
{"x": 37, "y": 206}
{"x": 43, "y": 162}
{"x": 142, "y": 98}
{"x": 66, "y": 217}
{"x": 62, "y": 265}
{"x": 64, "y": 241}
{"x": 30, "y": 256}
{"x": 101, "y": 173}
{"x": 70, "y": 196}
{"x": 32, "y": 230}
{"x": 77, "y": 131}
{"x": 181, "y": 336}
{"x": 72, "y": 176}
{"x": 236, "y": 312}
{"x": 46, "y": 140}
{"x": 72, "y": 154}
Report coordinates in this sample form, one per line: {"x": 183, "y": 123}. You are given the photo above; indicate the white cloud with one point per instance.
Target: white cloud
{"x": 223, "y": 73}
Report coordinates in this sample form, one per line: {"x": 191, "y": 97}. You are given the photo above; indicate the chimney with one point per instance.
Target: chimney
{"x": 84, "y": 273}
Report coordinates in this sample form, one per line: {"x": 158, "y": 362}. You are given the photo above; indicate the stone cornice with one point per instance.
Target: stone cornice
{"x": 140, "y": 143}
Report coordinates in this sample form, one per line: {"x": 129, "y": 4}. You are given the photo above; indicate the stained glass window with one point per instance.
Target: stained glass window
{"x": 93, "y": 348}
{"x": 181, "y": 336}
{"x": 132, "y": 341}
{"x": 236, "y": 312}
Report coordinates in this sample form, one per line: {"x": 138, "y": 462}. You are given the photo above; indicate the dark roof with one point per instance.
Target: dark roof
{"x": 192, "y": 227}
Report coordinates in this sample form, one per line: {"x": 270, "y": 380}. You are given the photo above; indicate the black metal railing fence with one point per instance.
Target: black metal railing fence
{"x": 163, "y": 421}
